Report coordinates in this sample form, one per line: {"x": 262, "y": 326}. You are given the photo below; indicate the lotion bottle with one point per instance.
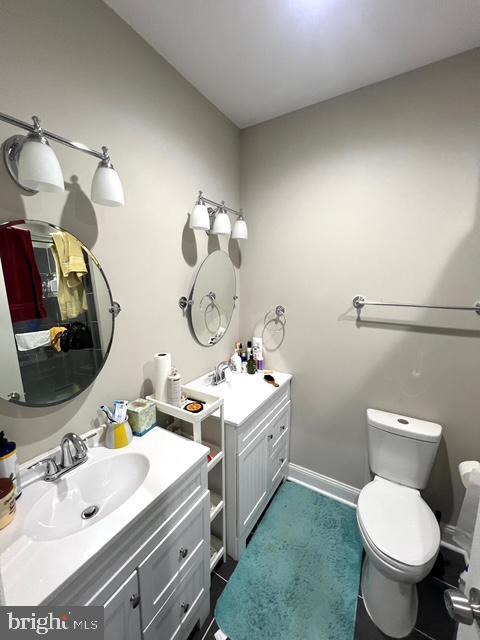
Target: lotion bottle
{"x": 174, "y": 392}
{"x": 236, "y": 361}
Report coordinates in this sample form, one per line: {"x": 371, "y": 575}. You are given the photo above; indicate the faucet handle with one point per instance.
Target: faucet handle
{"x": 51, "y": 467}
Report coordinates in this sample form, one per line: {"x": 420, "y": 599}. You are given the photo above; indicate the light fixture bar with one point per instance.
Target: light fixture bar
{"x": 220, "y": 205}
{"x": 78, "y": 146}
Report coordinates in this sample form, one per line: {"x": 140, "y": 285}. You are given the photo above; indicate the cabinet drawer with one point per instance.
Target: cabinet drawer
{"x": 182, "y": 604}
{"x": 161, "y": 572}
{"x": 278, "y": 460}
{"x": 280, "y": 425}
{"x": 259, "y": 420}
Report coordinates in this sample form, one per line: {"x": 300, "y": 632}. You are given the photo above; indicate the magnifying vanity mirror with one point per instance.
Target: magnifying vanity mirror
{"x": 56, "y": 314}
{"x": 213, "y": 298}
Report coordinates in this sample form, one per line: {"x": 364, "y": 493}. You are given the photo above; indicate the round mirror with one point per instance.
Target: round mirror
{"x": 213, "y": 298}
{"x": 56, "y": 314}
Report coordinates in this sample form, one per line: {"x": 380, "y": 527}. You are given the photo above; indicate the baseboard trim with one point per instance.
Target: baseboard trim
{"x": 323, "y": 484}
{"x": 349, "y": 495}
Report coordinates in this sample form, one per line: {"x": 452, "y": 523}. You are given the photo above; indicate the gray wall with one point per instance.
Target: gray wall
{"x": 375, "y": 192}
{"x": 76, "y": 64}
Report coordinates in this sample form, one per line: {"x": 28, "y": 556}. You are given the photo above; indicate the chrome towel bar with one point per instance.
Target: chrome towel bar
{"x": 359, "y": 302}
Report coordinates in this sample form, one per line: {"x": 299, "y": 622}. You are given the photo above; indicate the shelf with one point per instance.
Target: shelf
{"x": 211, "y": 404}
{"x": 216, "y": 505}
{"x": 215, "y": 452}
{"x": 216, "y": 551}
{"x": 215, "y": 459}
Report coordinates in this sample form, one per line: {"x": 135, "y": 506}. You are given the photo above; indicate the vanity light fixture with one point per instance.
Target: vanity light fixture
{"x": 106, "y": 186}
{"x": 38, "y": 166}
{"x": 240, "y": 231}
{"x": 200, "y": 218}
{"x": 216, "y": 220}
{"x": 33, "y": 165}
{"x": 222, "y": 225}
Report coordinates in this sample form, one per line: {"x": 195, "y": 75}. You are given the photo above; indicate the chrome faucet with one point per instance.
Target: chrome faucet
{"x": 79, "y": 454}
{"x": 218, "y": 376}
{"x": 68, "y": 459}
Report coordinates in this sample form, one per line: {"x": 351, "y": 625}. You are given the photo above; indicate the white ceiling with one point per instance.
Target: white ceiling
{"x": 258, "y": 59}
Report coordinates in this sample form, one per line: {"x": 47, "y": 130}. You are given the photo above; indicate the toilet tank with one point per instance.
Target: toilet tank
{"x": 402, "y": 449}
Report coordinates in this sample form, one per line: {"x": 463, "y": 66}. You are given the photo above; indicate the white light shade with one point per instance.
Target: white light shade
{"x": 200, "y": 218}
{"x": 38, "y": 167}
{"x": 222, "y": 225}
{"x": 107, "y": 188}
{"x": 240, "y": 231}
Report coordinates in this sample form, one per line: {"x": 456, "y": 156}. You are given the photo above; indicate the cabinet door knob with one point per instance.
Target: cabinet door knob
{"x": 270, "y": 436}
{"x": 135, "y": 600}
{"x": 185, "y": 607}
{"x": 282, "y": 460}
{"x": 183, "y": 553}
{"x": 282, "y": 428}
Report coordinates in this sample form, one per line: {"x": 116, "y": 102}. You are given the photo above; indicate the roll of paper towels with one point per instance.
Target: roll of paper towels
{"x": 163, "y": 365}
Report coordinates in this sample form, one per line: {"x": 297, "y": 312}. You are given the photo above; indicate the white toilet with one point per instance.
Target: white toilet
{"x": 400, "y": 534}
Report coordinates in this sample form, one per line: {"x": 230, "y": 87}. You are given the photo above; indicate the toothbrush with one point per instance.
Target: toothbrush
{"x": 108, "y": 413}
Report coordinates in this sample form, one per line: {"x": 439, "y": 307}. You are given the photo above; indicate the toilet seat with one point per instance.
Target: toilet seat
{"x": 398, "y": 524}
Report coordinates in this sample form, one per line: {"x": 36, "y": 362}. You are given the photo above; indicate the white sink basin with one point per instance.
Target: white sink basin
{"x": 48, "y": 542}
{"x": 243, "y": 393}
{"x": 93, "y": 489}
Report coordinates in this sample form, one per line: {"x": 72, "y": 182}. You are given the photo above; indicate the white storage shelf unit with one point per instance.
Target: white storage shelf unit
{"x": 192, "y": 425}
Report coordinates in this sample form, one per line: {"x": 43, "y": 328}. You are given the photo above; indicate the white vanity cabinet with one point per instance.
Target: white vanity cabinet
{"x": 122, "y": 612}
{"x": 153, "y": 577}
{"x": 168, "y": 592}
{"x": 257, "y": 452}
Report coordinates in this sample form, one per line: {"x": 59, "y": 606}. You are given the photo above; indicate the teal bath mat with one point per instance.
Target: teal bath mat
{"x": 299, "y": 577}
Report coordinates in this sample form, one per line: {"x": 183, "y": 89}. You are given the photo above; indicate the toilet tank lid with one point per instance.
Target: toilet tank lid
{"x": 404, "y": 426}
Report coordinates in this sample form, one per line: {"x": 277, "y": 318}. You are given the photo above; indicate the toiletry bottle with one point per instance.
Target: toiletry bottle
{"x": 236, "y": 361}
{"x": 251, "y": 365}
{"x": 260, "y": 363}
{"x": 8, "y": 506}
{"x": 174, "y": 388}
{"x": 244, "y": 362}
{"x": 9, "y": 463}
{"x": 249, "y": 349}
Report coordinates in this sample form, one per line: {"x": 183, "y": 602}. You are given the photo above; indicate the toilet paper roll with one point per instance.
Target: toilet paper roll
{"x": 162, "y": 363}
{"x": 465, "y": 469}
{"x": 463, "y": 535}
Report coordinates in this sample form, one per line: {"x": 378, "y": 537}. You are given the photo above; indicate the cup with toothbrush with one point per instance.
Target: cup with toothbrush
{"x": 118, "y": 431}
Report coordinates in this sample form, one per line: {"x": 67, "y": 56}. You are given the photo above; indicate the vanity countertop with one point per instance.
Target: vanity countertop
{"x": 31, "y": 569}
{"x": 242, "y": 393}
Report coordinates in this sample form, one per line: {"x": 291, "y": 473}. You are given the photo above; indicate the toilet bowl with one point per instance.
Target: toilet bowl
{"x": 399, "y": 531}
{"x": 401, "y": 538}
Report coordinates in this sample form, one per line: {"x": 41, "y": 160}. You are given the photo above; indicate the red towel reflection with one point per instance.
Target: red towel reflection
{"x": 22, "y": 278}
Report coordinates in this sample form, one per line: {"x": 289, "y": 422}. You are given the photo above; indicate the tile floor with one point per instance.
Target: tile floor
{"x": 433, "y": 622}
